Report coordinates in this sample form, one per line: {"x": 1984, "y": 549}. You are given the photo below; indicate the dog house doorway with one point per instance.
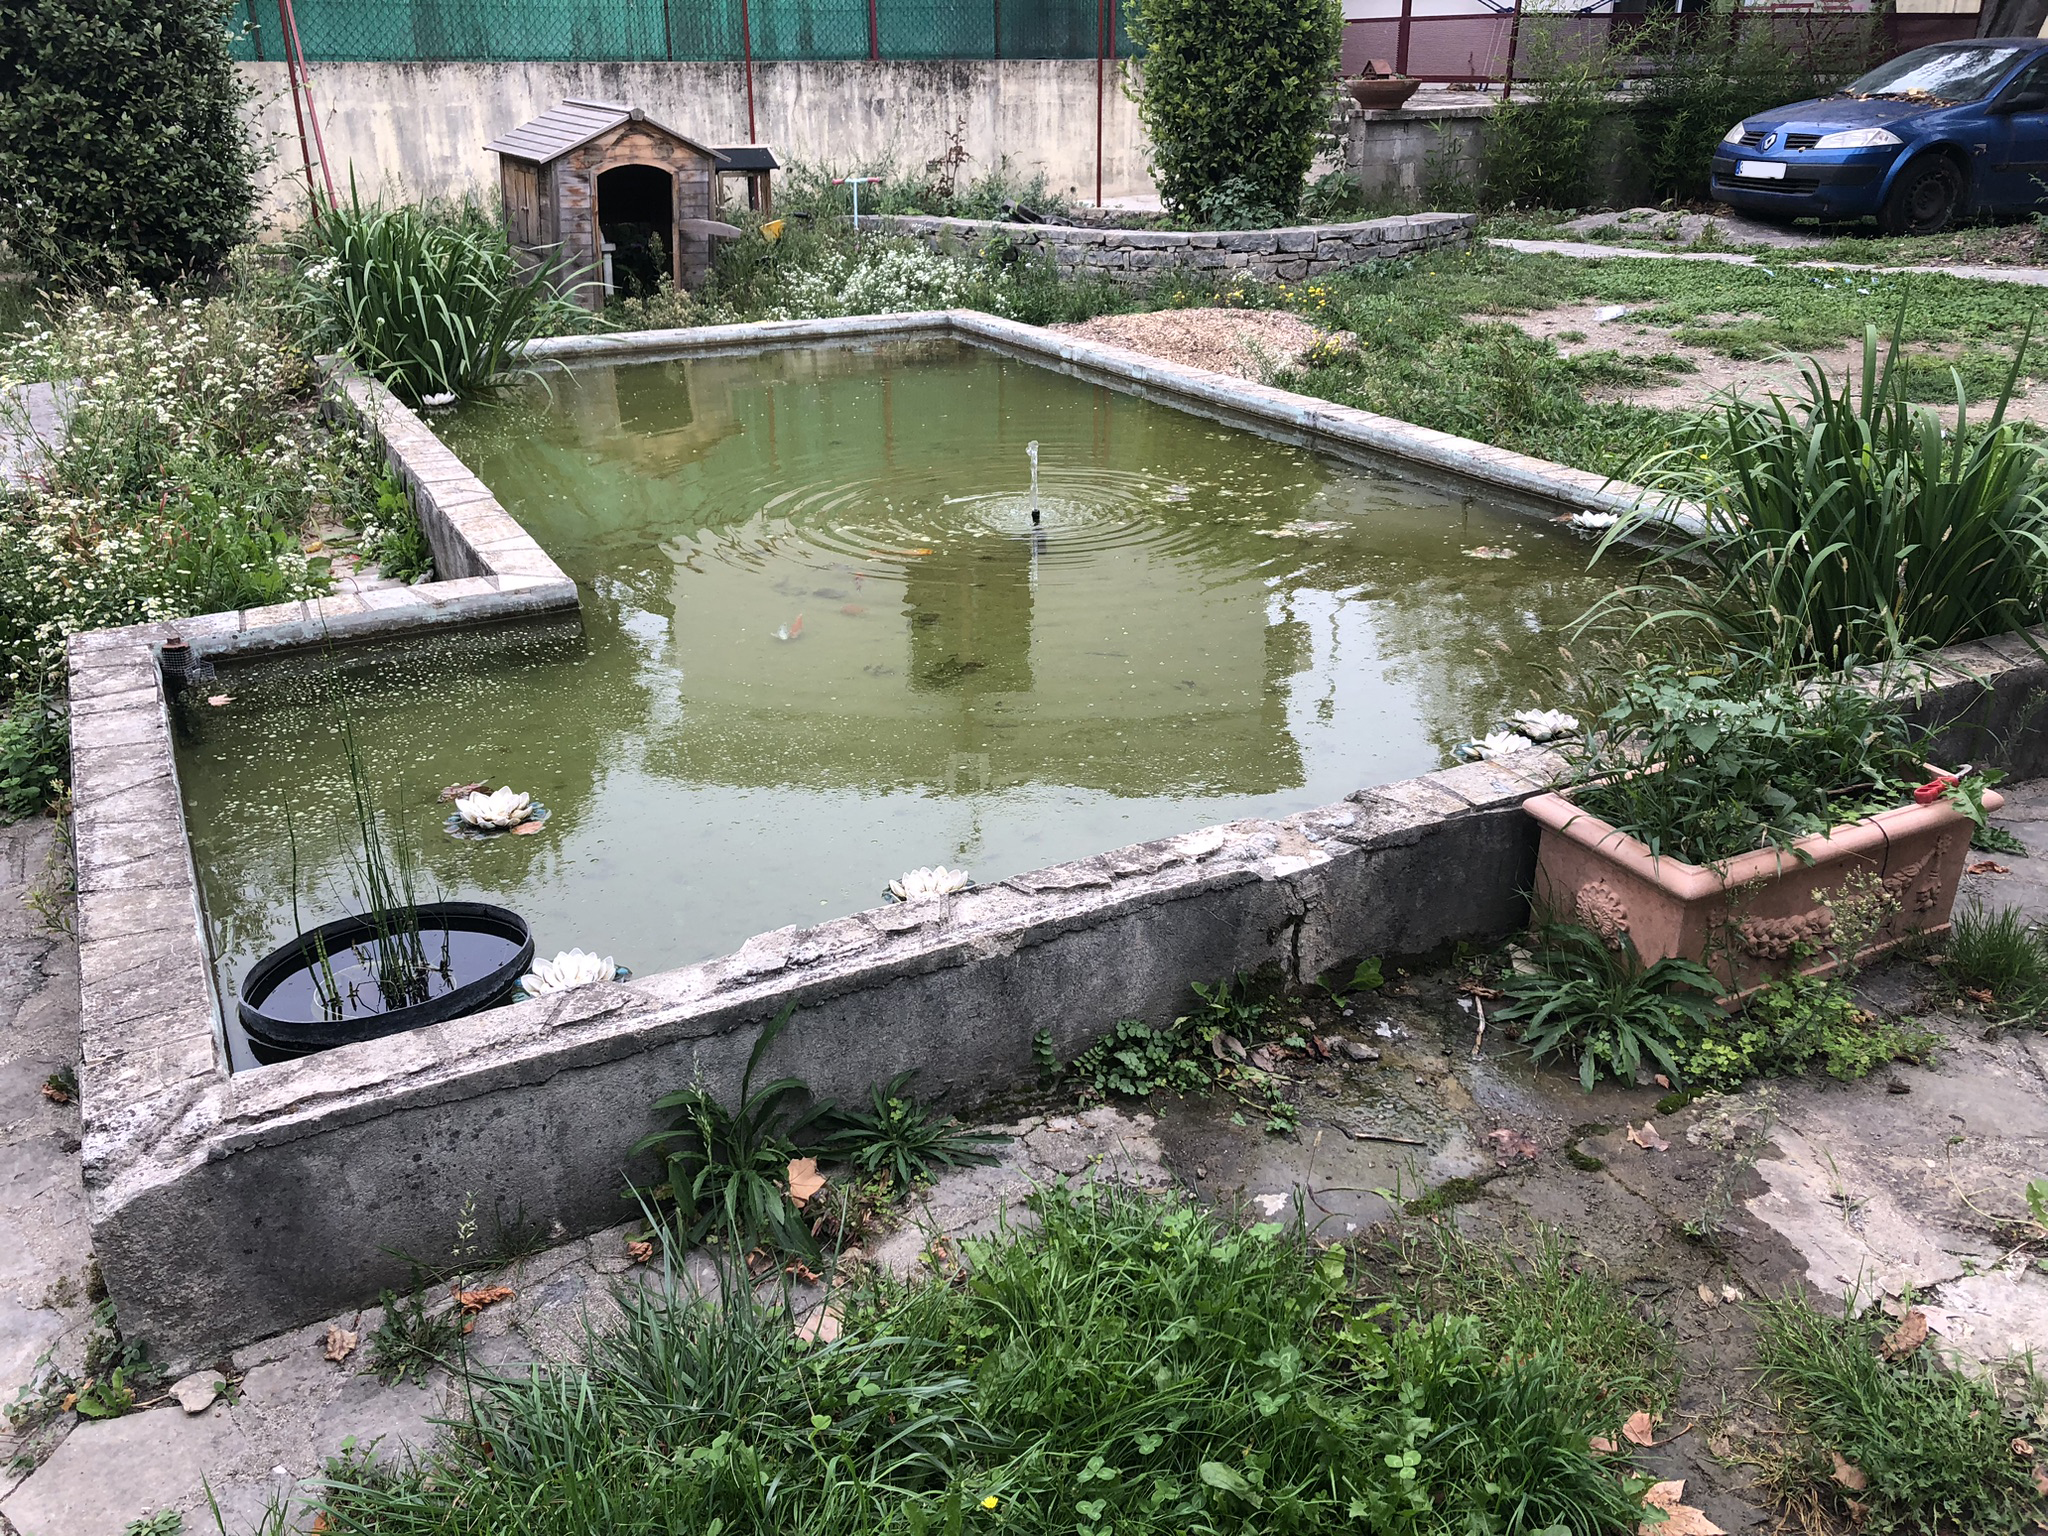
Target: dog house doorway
{"x": 636, "y": 223}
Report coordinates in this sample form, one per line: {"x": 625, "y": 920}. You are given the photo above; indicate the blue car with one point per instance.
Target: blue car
{"x": 1943, "y": 131}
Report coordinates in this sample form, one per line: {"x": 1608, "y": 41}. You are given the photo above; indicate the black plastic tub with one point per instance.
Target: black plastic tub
{"x": 474, "y": 951}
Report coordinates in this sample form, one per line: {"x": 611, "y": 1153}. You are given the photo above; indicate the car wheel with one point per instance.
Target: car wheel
{"x": 1924, "y": 198}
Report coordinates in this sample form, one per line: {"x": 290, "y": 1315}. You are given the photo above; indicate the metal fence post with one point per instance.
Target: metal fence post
{"x": 668, "y": 34}
{"x": 874, "y": 32}
{"x": 747, "y": 53}
{"x": 1507, "y": 88}
{"x": 1401, "y": 38}
{"x": 998, "y": 50}
{"x": 1100, "y": 11}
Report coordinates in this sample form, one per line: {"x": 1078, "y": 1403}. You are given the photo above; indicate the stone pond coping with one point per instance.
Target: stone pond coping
{"x": 1134, "y": 257}
{"x": 230, "y": 1207}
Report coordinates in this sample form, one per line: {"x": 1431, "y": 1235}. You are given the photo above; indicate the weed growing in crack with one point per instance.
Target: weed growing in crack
{"x": 413, "y": 1337}
{"x": 900, "y": 1138}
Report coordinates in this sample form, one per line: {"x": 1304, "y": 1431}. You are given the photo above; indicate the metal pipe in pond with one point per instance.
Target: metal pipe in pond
{"x": 1031, "y": 452}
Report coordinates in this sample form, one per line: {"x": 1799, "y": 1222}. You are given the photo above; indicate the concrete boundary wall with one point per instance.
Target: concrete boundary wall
{"x": 227, "y": 1207}
{"x": 419, "y": 130}
{"x": 1133, "y": 258}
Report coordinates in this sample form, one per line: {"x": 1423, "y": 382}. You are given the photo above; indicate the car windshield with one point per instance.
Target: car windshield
{"x": 1939, "y": 75}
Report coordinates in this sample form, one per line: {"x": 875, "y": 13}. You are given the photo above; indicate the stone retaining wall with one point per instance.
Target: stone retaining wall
{"x": 1134, "y": 257}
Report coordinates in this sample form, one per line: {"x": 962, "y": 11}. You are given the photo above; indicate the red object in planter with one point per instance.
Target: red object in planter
{"x": 1747, "y": 915}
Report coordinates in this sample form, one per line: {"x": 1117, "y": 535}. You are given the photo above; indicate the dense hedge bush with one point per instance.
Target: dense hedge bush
{"x": 1236, "y": 97}
{"x": 122, "y": 149}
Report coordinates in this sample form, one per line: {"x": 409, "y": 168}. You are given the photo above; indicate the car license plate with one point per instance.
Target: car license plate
{"x": 1761, "y": 170}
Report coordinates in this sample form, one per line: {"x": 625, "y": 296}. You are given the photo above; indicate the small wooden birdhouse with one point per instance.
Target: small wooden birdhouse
{"x": 622, "y": 202}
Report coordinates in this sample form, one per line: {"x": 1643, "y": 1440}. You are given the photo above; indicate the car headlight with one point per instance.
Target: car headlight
{"x": 1733, "y": 135}
{"x": 1859, "y": 138}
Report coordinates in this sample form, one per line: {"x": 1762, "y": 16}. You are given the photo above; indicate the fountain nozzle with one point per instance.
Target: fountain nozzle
{"x": 1031, "y": 452}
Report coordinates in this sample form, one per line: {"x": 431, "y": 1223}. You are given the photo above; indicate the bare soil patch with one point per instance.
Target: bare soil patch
{"x": 1713, "y": 377}
{"x": 1247, "y": 343}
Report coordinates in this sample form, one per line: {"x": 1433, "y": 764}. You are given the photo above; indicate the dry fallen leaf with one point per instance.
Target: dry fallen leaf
{"x": 1263, "y": 1058}
{"x": 1680, "y": 1519}
{"x": 1512, "y": 1146}
{"x": 2022, "y": 1448}
{"x": 457, "y": 791}
{"x": 804, "y": 1179}
{"x": 56, "y": 1093}
{"x": 1988, "y": 867}
{"x": 1646, "y": 1137}
{"x": 1709, "y": 1295}
{"x": 484, "y": 1296}
{"x": 219, "y": 699}
{"x": 1480, "y": 989}
{"x": 1641, "y": 1429}
{"x": 640, "y": 1253}
{"x": 1661, "y": 1080}
{"x": 1602, "y": 1443}
{"x": 527, "y": 828}
{"x": 339, "y": 1343}
{"x": 320, "y": 1526}
{"x": 1849, "y": 1475}
{"x": 819, "y": 1326}
{"x": 2040, "y": 1473}
{"x": 1980, "y": 994}
{"x": 1858, "y": 1512}
{"x": 1907, "y": 1337}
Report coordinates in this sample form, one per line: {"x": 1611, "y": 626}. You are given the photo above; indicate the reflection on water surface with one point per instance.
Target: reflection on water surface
{"x": 822, "y": 642}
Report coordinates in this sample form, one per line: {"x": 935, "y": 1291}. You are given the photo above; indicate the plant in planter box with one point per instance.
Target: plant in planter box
{"x": 1724, "y": 817}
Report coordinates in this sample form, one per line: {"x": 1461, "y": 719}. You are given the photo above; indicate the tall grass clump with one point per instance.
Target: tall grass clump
{"x": 1135, "y": 1365}
{"x": 1937, "y": 1450}
{"x": 429, "y": 305}
{"x": 1851, "y": 525}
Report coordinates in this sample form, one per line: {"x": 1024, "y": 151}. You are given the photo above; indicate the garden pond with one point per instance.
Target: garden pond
{"x": 823, "y": 641}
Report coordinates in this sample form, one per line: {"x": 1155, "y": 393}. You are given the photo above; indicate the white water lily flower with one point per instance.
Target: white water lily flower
{"x": 435, "y": 402}
{"x": 1544, "y": 724}
{"x": 1593, "y": 522}
{"x": 1497, "y": 744}
{"x": 570, "y": 969}
{"x": 939, "y": 881}
{"x": 499, "y": 809}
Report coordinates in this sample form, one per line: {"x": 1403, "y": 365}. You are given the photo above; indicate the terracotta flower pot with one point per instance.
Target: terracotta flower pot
{"x": 1381, "y": 93}
{"x": 1749, "y": 916}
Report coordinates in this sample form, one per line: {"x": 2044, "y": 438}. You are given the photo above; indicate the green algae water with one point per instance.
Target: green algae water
{"x": 823, "y": 642}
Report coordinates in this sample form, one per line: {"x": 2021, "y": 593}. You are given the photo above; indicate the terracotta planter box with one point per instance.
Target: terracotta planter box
{"x": 1746, "y": 915}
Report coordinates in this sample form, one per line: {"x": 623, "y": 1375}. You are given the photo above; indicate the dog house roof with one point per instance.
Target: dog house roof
{"x": 574, "y": 123}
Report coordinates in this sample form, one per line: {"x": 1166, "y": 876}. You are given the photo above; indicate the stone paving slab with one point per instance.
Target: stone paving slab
{"x": 1581, "y": 250}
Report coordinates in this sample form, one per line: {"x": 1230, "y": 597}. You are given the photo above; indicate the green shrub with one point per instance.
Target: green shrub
{"x": 1236, "y": 98}
{"x": 1605, "y": 1006}
{"x": 1842, "y": 527}
{"x": 35, "y": 756}
{"x": 123, "y": 153}
{"x": 430, "y": 305}
{"x": 1537, "y": 150}
{"x": 1936, "y": 1446}
{"x": 1700, "y": 765}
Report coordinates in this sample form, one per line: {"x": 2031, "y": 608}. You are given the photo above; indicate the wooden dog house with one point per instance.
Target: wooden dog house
{"x": 596, "y": 184}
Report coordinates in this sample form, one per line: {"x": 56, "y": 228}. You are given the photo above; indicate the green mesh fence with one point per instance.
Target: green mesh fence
{"x": 334, "y": 31}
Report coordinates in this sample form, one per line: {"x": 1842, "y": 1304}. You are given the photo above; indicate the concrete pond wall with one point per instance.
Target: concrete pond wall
{"x": 1135, "y": 257}
{"x": 225, "y": 1207}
